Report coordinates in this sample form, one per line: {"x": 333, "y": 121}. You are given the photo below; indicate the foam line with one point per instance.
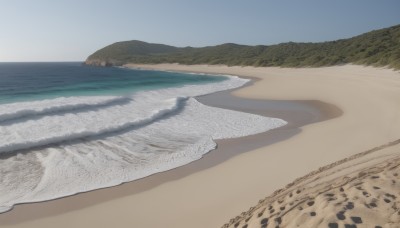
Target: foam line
{"x": 11, "y": 112}
{"x": 177, "y": 104}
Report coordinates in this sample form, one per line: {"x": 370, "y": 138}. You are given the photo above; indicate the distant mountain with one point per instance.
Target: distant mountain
{"x": 376, "y": 48}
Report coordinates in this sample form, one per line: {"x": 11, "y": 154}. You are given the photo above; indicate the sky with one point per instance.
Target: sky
{"x": 71, "y": 30}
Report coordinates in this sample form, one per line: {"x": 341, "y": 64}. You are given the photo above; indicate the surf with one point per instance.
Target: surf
{"x": 60, "y": 146}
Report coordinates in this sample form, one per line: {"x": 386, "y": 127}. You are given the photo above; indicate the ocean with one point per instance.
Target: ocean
{"x": 67, "y": 128}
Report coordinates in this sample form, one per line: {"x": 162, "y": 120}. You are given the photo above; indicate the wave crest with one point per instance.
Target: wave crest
{"x": 56, "y": 106}
{"x": 170, "y": 107}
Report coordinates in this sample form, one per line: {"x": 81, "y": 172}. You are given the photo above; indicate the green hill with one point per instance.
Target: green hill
{"x": 376, "y": 48}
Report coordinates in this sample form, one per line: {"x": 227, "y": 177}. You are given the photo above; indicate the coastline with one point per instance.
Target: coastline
{"x": 276, "y": 155}
{"x": 296, "y": 113}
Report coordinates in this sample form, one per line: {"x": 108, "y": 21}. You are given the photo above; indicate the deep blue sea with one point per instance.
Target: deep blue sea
{"x": 66, "y": 128}
{"x": 33, "y": 81}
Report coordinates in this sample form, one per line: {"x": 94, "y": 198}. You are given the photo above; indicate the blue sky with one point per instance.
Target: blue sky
{"x": 61, "y": 30}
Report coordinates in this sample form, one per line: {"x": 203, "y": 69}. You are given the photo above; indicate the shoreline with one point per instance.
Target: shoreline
{"x": 369, "y": 98}
{"x": 296, "y": 113}
{"x": 24, "y": 151}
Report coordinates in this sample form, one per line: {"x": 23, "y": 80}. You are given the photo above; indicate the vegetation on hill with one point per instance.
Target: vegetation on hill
{"x": 376, "y": 48}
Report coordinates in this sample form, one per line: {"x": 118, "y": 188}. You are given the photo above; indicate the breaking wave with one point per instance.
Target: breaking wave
{"x": 55, "y": 148}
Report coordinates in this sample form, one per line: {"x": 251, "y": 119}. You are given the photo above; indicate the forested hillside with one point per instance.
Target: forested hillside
{"x": 376, "y": 48}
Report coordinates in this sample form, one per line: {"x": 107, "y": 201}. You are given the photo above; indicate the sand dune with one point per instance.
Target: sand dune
{"x": 362, "y": 190}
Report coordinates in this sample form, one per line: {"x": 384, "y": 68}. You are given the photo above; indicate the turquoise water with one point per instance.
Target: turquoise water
{"x": 36, "y": 81}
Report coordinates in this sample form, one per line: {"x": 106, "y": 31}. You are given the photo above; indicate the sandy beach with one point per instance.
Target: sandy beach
{"x": 333, "y": 113}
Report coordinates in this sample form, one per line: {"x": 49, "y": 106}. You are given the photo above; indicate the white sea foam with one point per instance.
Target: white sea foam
{"x": 78, "y": 144}
{"x": 18, "y": 110}
{"x": 59, "y": 128}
